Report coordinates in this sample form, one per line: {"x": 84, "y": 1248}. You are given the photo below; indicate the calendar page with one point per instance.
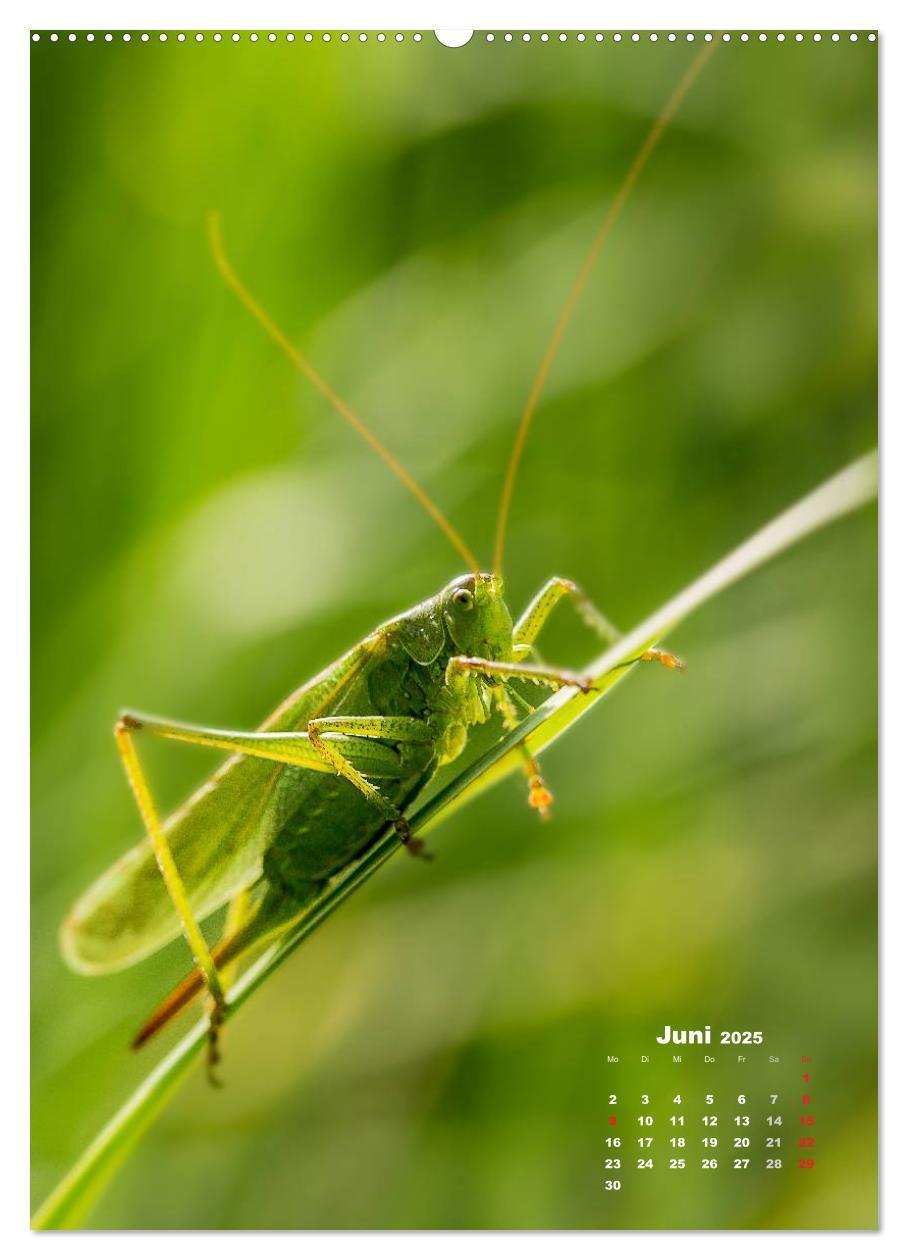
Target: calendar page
{"x": 454, "y": 629}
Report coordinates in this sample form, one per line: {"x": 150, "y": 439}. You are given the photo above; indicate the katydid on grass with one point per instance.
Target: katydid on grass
{"x": 342, "y": 758}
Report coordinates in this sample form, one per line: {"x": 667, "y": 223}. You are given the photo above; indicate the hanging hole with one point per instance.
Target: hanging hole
{"x": 453, "y": 38}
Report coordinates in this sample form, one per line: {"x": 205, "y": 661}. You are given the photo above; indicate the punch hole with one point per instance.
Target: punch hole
{"x": 453, "y": 38}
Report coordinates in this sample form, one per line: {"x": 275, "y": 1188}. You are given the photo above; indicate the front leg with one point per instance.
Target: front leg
{"x": 540, "y": 798}
{"x": 541, "y": 607}
{"x": 538, "y": 795}
{"x": 553, "y": 678}
{"x": 548, "y": 677}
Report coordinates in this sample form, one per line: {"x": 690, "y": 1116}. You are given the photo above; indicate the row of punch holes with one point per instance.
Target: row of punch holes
{"x": 452, "y": 39}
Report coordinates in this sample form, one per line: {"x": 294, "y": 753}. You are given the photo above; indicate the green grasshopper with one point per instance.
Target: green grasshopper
{"x": 339, "y": 761}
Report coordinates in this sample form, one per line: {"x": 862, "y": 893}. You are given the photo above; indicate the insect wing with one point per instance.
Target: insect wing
{"x": 217, "y": 838}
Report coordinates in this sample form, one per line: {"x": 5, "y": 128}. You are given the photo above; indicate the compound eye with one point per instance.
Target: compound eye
{"x": 463, "y": 598}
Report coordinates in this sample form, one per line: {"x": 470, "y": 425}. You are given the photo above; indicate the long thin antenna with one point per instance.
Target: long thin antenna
{"x": 636, "y": 170}
{"x": 261, "y": 316}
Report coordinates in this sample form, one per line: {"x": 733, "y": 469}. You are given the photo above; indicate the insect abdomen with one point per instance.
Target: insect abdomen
{"x": 334, "y": 823}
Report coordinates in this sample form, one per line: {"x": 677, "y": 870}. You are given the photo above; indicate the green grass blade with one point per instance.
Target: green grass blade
{"x": 69, "y": 1204}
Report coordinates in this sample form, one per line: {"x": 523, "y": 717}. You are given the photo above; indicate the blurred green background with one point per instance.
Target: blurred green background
{"x": 207, "y": 535}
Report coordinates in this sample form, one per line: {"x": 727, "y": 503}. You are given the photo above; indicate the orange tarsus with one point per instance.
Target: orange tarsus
{"x": 666, "y": 659}
{"x": 540, "y": 798}
{"x": 261, "y": 316}
{"x": 580, "y": 281}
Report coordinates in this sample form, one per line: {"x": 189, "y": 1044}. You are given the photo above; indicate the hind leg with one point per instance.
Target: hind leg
{"x": 286, "y": 748}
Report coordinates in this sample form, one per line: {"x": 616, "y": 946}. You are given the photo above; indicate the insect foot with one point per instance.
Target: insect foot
{"x": 414, "y": 846}
{"x": 540, "y": 798}
{"x": 666, "y": 659}
{"x": 213, "y": 1058}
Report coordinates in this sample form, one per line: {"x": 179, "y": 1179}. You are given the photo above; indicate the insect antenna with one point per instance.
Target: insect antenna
{"x": 261, "y": 316}
{"x": 556, "y": 336}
